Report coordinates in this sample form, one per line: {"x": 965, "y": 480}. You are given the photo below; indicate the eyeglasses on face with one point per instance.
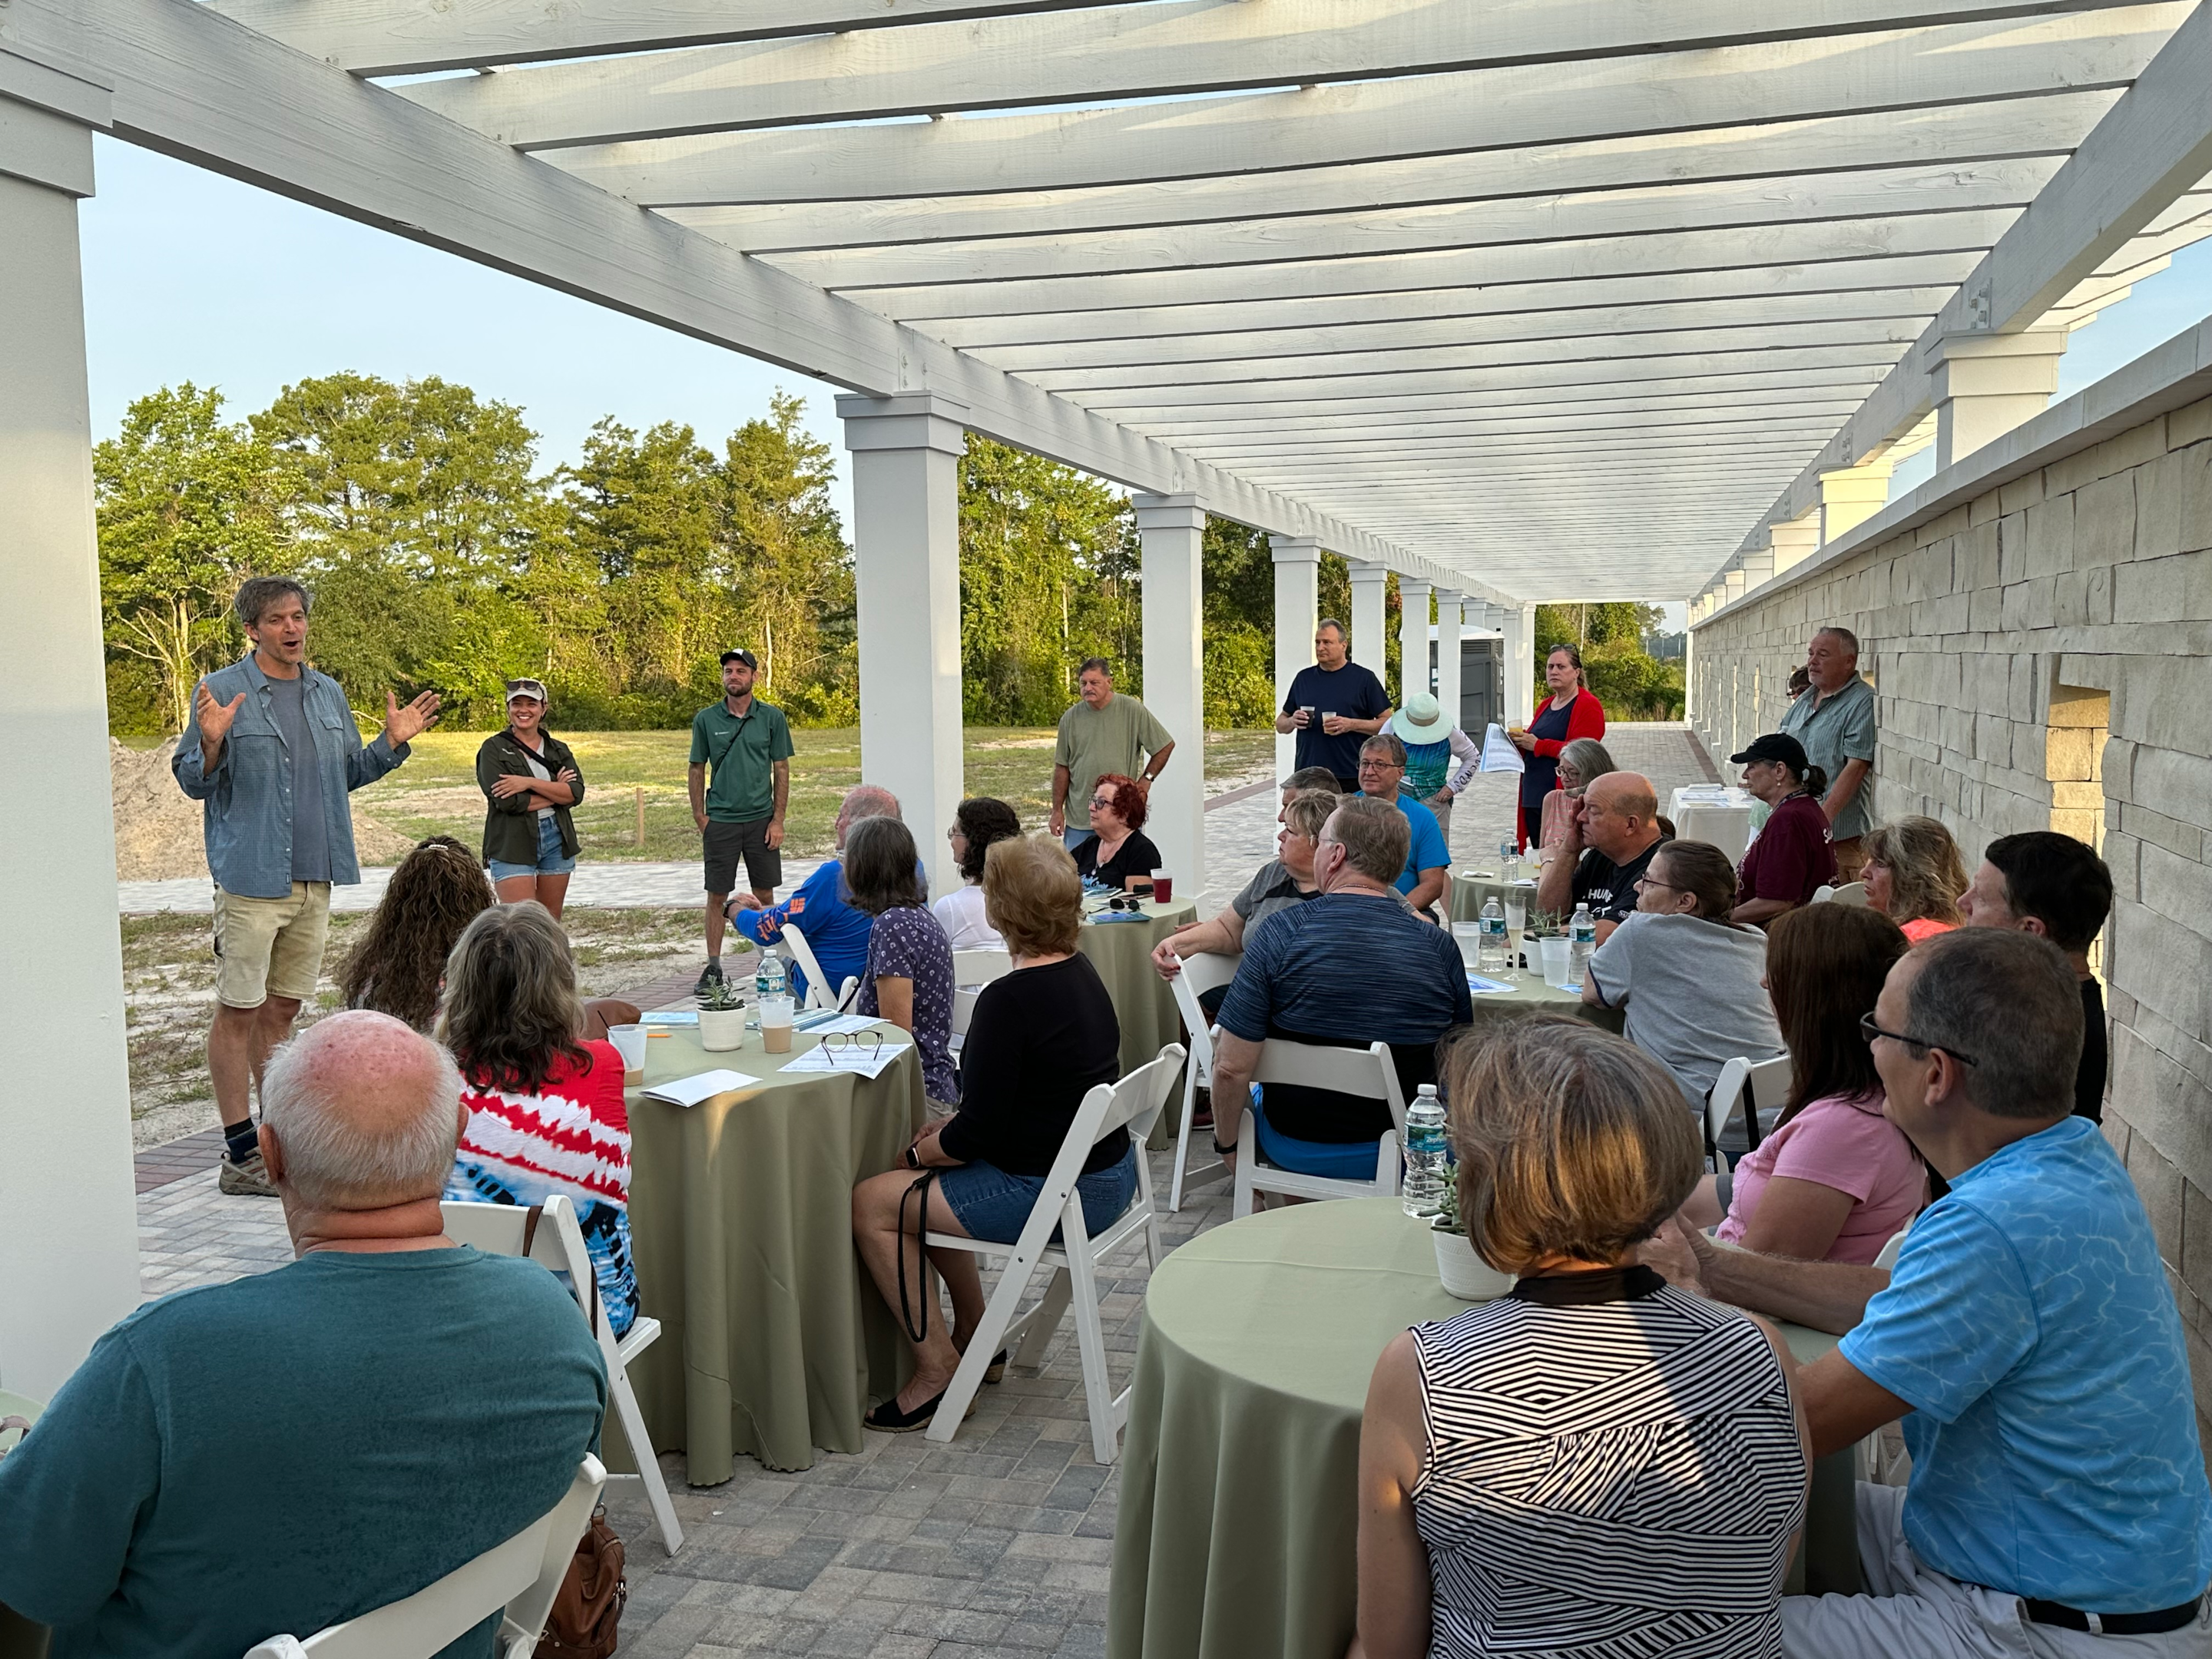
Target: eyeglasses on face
{"x": 1102, "y": 800}
{"x": 1869, "y": 1031}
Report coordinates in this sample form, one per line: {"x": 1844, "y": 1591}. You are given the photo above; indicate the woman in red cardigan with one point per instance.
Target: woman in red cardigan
{"x": 1570, "y": 712}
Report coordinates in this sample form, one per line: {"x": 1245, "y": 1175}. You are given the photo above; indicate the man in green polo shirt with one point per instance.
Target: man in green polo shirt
{"x": 1834, "y": 721}
{"x": 740, "y": 784}
{"x": 1106, "y": 731}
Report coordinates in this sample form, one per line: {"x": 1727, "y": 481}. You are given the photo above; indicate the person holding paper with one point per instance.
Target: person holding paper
{"x": 1568, "y": 712}
{"x": 909, "y": 970}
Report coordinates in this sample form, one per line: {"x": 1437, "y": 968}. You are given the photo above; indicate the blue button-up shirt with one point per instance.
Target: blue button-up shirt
{"x": 246, "y": 802}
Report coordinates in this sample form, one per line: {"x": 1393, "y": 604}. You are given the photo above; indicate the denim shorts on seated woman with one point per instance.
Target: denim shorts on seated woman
{"x": 551, "y": 861}
{"x": 993, "y": 1205}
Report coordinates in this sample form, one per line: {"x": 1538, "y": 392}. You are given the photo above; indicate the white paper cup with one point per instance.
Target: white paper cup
{"x": 629, "y": 1042}
{"x": 1467, "y": 935}
{"x": 775, "y": 1017}
{"x": 1558, "y": 962}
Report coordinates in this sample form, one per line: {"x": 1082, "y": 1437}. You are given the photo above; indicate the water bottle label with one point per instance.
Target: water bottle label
{"x": 1425, "y": 1139}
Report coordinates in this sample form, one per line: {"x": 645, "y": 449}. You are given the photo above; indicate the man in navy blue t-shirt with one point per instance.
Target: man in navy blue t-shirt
{"x": 1334, "y": 706}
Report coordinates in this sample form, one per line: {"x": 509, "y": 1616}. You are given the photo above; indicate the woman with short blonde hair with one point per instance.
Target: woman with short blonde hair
{"x": 1573, "y": 1148}
{"x": 1914, "y": 875}
{"x": 1041, "y": 1038}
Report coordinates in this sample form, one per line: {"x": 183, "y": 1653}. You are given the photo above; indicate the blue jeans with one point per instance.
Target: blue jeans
{"x": 551, "y": 861}
{"x": 989, "y": 1203}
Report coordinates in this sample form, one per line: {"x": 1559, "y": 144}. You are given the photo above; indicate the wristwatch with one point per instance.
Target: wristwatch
{"x": 914, "y": 1157}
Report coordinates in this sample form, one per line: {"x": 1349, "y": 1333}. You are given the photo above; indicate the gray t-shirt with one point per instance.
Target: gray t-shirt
{"x": 311, "y": 827}
{"x": 1692, "y": 990}
{"x": 1271, "y": 889}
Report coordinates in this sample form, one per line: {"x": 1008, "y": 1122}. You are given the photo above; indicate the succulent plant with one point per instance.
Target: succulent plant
{"x": 722, "y": 997}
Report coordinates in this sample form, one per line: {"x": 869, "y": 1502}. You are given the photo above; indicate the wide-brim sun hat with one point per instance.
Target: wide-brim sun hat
{"x": 1421, "y": 720}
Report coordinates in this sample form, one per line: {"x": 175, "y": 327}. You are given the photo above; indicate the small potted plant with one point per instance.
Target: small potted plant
{"x": 721, "y": 1017}
{"x": 1464, "y": 1273}
{"x": 1548, "y": 929}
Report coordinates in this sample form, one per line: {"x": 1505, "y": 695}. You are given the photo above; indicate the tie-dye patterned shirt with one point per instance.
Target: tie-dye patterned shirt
{"x": 2030, "y": 1325}
{"x": 571, "y": 1137}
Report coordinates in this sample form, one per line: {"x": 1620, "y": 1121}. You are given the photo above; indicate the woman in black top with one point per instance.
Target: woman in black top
{"x": 1040, "y": 1038}
{"x": 530, "y": 780}
{"x": 1116, "y": 850}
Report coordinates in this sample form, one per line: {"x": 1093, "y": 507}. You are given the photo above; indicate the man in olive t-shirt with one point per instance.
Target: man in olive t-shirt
{"x": 740, "y": 784}
{"x": 1104, "y": 732}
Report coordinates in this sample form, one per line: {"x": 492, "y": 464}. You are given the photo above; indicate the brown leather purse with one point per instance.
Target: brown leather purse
{"x": 588, "y": 1610}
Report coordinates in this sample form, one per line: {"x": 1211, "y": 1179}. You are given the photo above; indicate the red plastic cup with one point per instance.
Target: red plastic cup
{"x": 1162, "y": 887}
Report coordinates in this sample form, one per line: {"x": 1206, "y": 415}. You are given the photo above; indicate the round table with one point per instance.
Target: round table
{"x": 1471, "y": 889}
{"x": 773, "y": 1340}
{"x": 1239, "y": 1522}
{"x": 1144, "y": 1004}
{"x": 1530, "y": 994}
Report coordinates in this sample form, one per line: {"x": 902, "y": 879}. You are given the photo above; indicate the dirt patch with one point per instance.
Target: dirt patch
{"x": 158, "y": 834}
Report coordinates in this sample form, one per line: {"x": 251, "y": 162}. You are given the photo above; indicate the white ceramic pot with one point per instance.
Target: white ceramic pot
{"x": 1465, "y": 1274}
{"x": 721, "y": 1029}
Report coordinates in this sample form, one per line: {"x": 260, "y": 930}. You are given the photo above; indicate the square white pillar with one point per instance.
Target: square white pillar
{"x": 906, "y": 545}
{"x": 1758, "y": 565}
{"x": 1985, "y": 385}
{"x": 66, "y": 1186}
{"x": 1520, "y": 631}
{"x": 1171, "y": 532}
{"x": 1412, "y": 639}
{"x": 1792, "y": 545}
{"x": 1851, "y": 495}
{"x": 1297, "y": 609}
{"x": 1448, "y": 652}
{"x": 1369, "y": 604}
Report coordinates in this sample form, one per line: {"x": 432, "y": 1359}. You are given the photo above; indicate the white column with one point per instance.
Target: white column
{"x": 1171, "y": 530}
{"x": 1734, "y": 585}
{"x": 1793, "y": 543}
{"x": 1448, "y": 652}
{"x": 1298, "y": 608}
{"x": 1851, "y": 495}
{"x": 71, "y": 1233}
{"x": 906, "y": 545}
{"x": 1412, "y": 639}
{"x": 1370, "y": 602}
{"x": 1985, "y": 385}
{"x": 1520, "y": 630}
{"x": 1758, "y": 565}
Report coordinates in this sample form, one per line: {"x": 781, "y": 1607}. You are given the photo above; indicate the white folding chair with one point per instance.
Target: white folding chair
{"x": 558, "y": 1244}
{"x": 1870, "y": 1463}
{"x": 1760, "y": 1086}
{"x": 1134, "y": 1103}
{"x": 1823, "y": 893}
{"x": 1851, "y": 892}
{"x": 971, "y": 971}
{"x": 1200, "y": 974}
{"x": 818, "y": 983}
{"x": 1368, "y": 1072}
{"x": 517, "y": 1579}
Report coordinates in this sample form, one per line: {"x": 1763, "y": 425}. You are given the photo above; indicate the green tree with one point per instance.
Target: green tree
{"x": 189, "y": 505}
{"x": 794, "y": 572}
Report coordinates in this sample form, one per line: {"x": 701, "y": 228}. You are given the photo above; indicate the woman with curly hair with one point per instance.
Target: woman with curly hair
{"x": 976, "y": 823}
{"x": 1116, "y": 849}
{"x": 395, "y": 969}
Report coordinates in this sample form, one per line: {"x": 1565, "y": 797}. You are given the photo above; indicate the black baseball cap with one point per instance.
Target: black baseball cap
{"x": 1776, "y": 746}
{"x": 738, "y": 653}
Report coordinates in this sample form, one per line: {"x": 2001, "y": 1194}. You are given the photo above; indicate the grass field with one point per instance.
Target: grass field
{"x": 435, "y": 792}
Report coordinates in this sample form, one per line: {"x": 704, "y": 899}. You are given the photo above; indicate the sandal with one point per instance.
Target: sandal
{"x": 889, "y": 1419}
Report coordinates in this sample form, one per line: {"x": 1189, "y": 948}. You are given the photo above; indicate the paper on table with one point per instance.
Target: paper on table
{"x": 1482, "y": 987}
{"x": 824, "y": 1024}
{"x": 704, "y": 1085}
{"x": 669, "y": 1017}
{"x": 863, "y": 1061}
{"x": 1498, "y": 754}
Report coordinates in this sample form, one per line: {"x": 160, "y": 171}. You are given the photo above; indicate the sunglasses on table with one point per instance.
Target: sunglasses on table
{"x": 1869, "y": 1031}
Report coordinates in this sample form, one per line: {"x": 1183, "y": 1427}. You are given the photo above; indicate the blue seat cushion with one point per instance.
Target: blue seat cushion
{"x": 1334, "y": 1160}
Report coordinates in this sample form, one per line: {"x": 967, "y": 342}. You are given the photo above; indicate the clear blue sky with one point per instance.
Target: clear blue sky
{"x": 191, "y": 276}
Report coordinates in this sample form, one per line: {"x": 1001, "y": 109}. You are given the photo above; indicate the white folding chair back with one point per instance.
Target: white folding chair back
{"x": 1368, "y": 1072}
{"x": 1823, "y": 893}
{"x": 558, "y": 1244}
{"x": 971, "y": 971}
{"x": 1887, "y": 1258}
{"x": 1759, "y": 1086}
{"x": 1851, "y": 892}
{"x": 518, "y": 1579}
{"x": 817, "y": 983}
{"x": 1870, "y": 1460}
{"x": 1200, "y": 974}
{"x": 1132, "y": 1103}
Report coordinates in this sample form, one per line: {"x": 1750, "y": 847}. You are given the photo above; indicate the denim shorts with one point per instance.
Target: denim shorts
{"x": 551, "y": 861}
{"x": 991, "y": 1204}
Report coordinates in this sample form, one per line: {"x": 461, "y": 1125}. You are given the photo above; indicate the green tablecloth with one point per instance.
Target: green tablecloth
{"x": 773, "y": 1341}
{"x": 1469, "y": 892}
{"x": 1531, "y": 995}
{"x": 1238, "y": 1519}
{"x": 1143, "y": 1003}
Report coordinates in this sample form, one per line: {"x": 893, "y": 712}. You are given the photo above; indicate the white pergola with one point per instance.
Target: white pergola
{"x": 1516, "y": 299}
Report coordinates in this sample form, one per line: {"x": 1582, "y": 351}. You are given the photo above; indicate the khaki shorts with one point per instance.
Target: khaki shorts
{"x": 270, "y": 947}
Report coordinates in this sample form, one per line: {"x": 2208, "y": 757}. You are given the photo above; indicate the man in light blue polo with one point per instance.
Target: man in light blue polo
{"x": 1834, "y": 722}
{"x": 1381, "y": 768}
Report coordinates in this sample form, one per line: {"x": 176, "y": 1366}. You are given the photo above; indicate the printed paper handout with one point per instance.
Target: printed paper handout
{"x": 1498, "y": 754}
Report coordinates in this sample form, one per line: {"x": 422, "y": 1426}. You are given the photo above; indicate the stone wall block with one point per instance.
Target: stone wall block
{"x": 2050, "y": 536}
{"x": 2020, "y": 494}
{"x": 2180, "y": 785}
{"x": 2192, "y": 489}
{"x": 2189, "y": 426}
{"x": 2196, "y": 1258}
{"x": 2105, "y": 521}
{"x": 2163, "y": 1103}
{"x": 2162, "y": 700}
{"x": 2159, "y": 1185}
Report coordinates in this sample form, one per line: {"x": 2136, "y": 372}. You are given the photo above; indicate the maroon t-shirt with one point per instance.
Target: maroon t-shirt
{"x": 1792, "y": 858}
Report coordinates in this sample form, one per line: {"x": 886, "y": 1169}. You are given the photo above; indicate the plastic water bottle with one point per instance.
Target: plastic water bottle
{"x": 768, "y": 978}
{"x": 1423, "y": 1195}
{"x": 1489, "y": 958}
{"x": 1509, "y": 859}
{"x": 1583, "y": 932}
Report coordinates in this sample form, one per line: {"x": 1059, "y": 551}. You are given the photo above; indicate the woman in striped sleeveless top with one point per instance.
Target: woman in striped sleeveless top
{"x": 1596, "y": 1465}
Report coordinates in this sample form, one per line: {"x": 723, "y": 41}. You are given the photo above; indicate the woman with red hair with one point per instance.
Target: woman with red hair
{"x": 1116, "y": 849}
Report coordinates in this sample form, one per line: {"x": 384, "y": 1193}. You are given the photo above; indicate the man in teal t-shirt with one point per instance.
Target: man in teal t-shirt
{"x": 282, "y": 1453}
{"x": 740, "y": 784}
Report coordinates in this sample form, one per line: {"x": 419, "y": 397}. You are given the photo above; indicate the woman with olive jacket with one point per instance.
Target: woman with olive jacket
{"x": 530, "y": 780}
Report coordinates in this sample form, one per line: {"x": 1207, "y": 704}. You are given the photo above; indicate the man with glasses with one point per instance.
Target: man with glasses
{"x": 740, "y": 784}
{"x": 2027, "y": 1337}
{"x": 1382, "y": 769}
{"x": 1332, "y": 706}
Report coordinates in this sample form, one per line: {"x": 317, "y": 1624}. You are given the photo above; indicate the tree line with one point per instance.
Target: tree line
{"x": 440, "y": 556}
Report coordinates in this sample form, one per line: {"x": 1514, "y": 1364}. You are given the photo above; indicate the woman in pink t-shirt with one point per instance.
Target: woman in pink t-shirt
{"x": 1835, "y": 1178}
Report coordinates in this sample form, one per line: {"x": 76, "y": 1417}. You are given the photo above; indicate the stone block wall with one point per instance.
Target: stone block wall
{"x": 2042, "y": 659}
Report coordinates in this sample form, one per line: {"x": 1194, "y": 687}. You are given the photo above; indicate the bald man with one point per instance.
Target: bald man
{"x": 1612, "y": 833}
{"x": 283, "y": 1452}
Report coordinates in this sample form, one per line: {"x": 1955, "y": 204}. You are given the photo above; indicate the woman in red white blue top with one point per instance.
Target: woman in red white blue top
{"x": 546, "y": 1108}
